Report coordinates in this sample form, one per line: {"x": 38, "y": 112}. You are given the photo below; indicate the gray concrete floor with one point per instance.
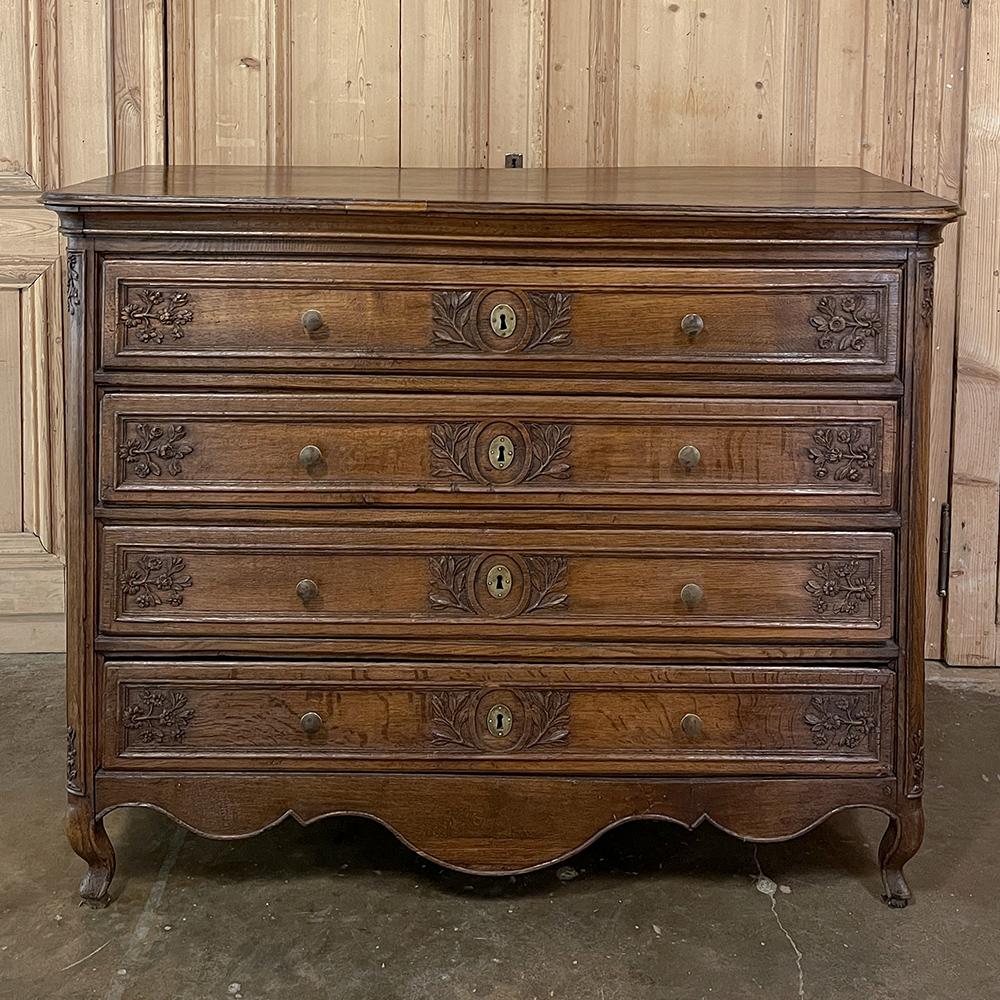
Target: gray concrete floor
{"x": 341, "y": 910}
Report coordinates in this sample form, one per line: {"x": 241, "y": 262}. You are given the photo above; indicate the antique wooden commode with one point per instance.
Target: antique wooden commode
{"x": 499, "y": 506}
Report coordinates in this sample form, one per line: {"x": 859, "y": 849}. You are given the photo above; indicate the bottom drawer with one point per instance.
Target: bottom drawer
{"x": 516, "y": 718}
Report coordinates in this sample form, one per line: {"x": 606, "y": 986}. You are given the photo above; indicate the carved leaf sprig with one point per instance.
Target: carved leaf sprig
{"x": 451, "y": 714}
{"x": 839, "y": 722}
{"x": 546, "y": 575}
{"x": 449, "y": 583}
{"x": 450, "y": 315}
{"x": 153, "y": 314}
{"x": 152, "y": 442}
{"x": 72, "y": 753}
{"x": 73, "y": 281}
{"x": 841, "y": 587}
{"x": 849, "y": 324}
{"x": 548, "y": 718}
{"x": 551, "y": 319}
{"x": 847, "y": 451}
{"x": 151, "y": 578}
{"x": 550, "y": 445}
{"x": 159, "y": 716}
{"x": 450, "y": 449}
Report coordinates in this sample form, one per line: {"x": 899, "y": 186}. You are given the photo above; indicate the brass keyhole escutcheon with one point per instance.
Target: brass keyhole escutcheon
{"x": 501, "y": 451}
{"x": 503, "y": 319}
{"x": 499, "y": 581}
{"x": 499, "y": 720}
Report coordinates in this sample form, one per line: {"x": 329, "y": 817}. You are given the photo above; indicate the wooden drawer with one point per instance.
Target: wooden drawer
{"x": 490, "y": 584}
{"x": 432, "y": 450}
{"x": 608, "y": 321}
{"x": 640, "y": 717}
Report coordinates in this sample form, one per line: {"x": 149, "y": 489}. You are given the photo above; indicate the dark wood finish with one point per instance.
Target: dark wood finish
{"x": 577, "y": 496}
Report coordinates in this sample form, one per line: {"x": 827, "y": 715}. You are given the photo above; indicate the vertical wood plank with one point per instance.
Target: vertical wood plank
{"x": 344, "y": 83}
{"x": 15, "y": 91}
{"x": 138, "y": 122}
{"x": 799, "y": 106}
{"x": 971, "y": 636}
{"x": 840, "y": 75}
{"x": 937, "y": 132}
{"x": 10, "y": 409}
{"x": 701, "y": 82}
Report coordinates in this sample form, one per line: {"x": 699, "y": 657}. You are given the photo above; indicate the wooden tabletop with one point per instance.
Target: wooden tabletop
{"x": 666, "y": 191}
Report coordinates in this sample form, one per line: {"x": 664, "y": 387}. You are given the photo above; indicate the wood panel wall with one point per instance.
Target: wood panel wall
{"x": 99, "y": 85}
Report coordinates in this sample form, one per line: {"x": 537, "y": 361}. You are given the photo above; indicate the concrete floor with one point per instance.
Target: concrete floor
{"x": 341, "y": 910}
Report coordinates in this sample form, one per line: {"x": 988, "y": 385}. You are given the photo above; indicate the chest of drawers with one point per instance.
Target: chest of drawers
{"x": 498, "y": 506}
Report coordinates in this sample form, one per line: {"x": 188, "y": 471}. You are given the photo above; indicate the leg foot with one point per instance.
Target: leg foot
{"x": 901, "y": 841}
{"x": 89, "y": 840}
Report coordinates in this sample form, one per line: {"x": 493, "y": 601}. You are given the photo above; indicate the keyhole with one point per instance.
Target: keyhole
{"x": 501, "y": 452}
{"x": 498, "y": 581}
{"x": 503, "y": 320}
{"x": 499, "y": 720}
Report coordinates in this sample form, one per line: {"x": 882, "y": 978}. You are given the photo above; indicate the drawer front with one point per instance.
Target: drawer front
{"x": 496, "y": 450}
{"x": 493, "y": 584}
{"x": 731, "y": 720}
{"x": 501, "y": 320}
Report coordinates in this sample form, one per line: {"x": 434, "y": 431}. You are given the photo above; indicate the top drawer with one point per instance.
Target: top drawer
{"x": 275, "y": 316}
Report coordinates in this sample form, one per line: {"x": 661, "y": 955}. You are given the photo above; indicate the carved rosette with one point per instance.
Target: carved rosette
{"x": 453, "y": 452}
{"x": 916, "y": 763}
{"x": 74, "y": 280}
{"x": 72, "y": 762}
{"x": 840, "y": 722}
{"x": 541, "y": 719}
{"x": 452, "y": 580}
{"x": 151, "y": 579}
{"x": 848, "y": 323}
{"x": 160, "y": 715}
{"x": 456, "y": 323}
{"x": 845, "y": 454}
{"x": 153, "y": 314}
{"x": 150, "y": 445}
{"x": 841, "y": 588}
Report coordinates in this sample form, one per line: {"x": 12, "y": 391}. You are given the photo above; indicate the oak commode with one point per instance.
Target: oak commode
{"x": 565, "y": 496}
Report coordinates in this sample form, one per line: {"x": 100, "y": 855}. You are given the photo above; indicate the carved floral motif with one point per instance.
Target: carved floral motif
{"x": 72, "y": 752}
{"x": 845, "y": 451}
{"x": 542, "y": 719}
{"x": 841, "y": 587}
{"x": 546, "y": 576}
{"x": 161, "y": 715}
{"x": 148, "y": 579}
{"x": 73, "y": 281}
{"x": 152, "y": 442}
{"x": 927, "y": 291}
{"x": 839, "y": 722}
{"x": 451, "y": 454}
{"x": 152, "y": 315}
{"x": 846, "y": 324}
{"x": 917, "y": 761}
{"x": 453, "y": 320}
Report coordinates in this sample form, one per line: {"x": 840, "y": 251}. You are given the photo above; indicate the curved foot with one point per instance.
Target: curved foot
{"x": 89, "y": 840}
{"x": 901, "y": 841}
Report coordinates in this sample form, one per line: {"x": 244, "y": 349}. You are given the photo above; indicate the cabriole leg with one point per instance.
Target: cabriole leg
{"x": 88, "y": 838}
{"x": 901, "y": 841}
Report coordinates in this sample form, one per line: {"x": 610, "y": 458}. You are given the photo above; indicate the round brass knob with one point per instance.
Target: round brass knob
{"x": 691, "y": 594}
{"x": 692, "y": 725}
{"x": 689, "y": 456}
{"x": 311, "y": 722}
{"x": 310, "y": 455}
{"x": 692, "y": 324}
{"x": 312, "y": 321}
{"x": 307, "y": 590}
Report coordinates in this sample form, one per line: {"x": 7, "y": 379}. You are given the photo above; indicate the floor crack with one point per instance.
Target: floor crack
{"x": 769, "y": 888}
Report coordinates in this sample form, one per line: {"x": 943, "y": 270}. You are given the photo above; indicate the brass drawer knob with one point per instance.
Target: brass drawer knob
{"x": 692, "y": 324}
{"x": 692, "y": 594}
{"x": 689, "y": 456}
{"x": 312, "y": 321}
{"x": 311, "y": 722}
{"x": 307, "y": 590}
{"x": 310, "y": 456}
{"x": 692, "y": 725}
